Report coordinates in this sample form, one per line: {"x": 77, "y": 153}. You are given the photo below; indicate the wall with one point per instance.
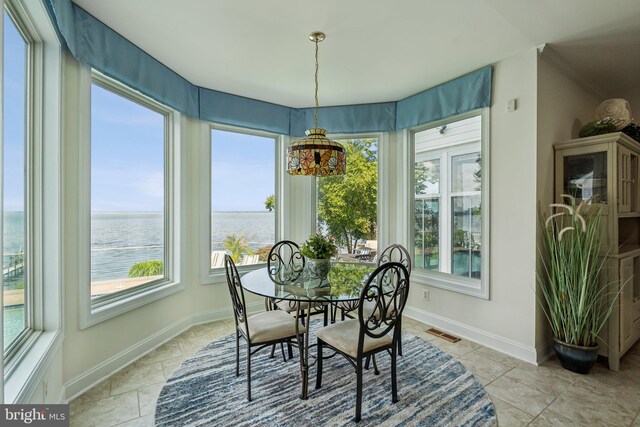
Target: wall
{"x": 564, "y": 107}
{"x": 507, "y": 320}
{"x": 520, "y": 162}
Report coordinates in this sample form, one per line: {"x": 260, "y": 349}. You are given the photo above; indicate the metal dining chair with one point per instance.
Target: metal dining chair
{"x": 259, "y": 330}
{"x": 396, "y": 253}
{"x": 286, "y": 263}
{"x": 357, "y": 339}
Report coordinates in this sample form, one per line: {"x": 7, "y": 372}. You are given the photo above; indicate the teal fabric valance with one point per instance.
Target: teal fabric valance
{"x": 93, "y": 43}
{"x": 466, "y": 93}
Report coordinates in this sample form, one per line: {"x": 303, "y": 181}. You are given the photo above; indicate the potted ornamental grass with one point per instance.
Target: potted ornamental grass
{"x": 574, "y": 299}
{"x": 318, "y": 249}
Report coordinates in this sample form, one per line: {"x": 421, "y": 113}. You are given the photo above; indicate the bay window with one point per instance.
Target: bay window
{"x": 132, "y": 166}
{"x": 347, "y": 204}
{"x": 244, "y": 199}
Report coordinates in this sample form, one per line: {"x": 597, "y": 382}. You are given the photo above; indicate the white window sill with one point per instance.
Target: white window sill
{"x": 463, "y": 285}
{"x": 218, "y": 275}
{"x": 26, "y": 375}
{"x": 92, "y": 316}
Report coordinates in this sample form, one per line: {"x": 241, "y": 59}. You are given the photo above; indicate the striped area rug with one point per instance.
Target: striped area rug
{"x": 434, "y": 390}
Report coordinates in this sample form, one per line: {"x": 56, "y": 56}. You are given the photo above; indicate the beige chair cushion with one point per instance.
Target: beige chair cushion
{"x": 270, "y": 325}
{"x": 344, "y": 337}
{"x": 367, "y": 309}
{"x": 290, "y": 306}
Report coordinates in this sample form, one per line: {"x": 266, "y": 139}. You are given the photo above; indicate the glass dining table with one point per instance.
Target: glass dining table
{"x": 340, "y": 286}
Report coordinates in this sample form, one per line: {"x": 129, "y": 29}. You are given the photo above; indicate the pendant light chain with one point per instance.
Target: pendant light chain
{"x": 316, "y": 112}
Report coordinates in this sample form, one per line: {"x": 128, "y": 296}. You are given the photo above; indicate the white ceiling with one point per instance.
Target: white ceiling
{"x": 376, "y": 50}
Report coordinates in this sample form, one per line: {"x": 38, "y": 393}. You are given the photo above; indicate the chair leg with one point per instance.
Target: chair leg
{"x": 273, "y": 351}
{"x": 375, "y": 365}
{"x": 326, "y": 315}
{"x": 342, "y": 314}
{"x": 248, "y": 372}
{"x": 282, "y": 349}
{"x": 237, "y": 354}
{"x": 358, "y": 389}
{"x": 319, "y": 366}
{"x": 400, "y": 338}
{"x": 394, "y": 382}
{"x": 367, "y": 362}
{"x": 290, "y": 349}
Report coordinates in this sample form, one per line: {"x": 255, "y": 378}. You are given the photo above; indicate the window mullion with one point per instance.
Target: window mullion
{"x": 445, "y": 216}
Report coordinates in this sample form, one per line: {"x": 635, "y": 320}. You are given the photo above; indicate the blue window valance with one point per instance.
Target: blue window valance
{"x": 93, "y": 43}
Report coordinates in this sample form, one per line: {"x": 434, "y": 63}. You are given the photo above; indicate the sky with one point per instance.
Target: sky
{"x": 14, "y": 116}
{"x": 127, "y": 160}
{"x": 242, "y": 171}
{"x": 127, "y": 154}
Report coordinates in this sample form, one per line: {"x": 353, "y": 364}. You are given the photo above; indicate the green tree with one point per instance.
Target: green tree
{"x": 237, "y": 245}
{"x": 270, "y": 203}
{"x": 347, "y": 204}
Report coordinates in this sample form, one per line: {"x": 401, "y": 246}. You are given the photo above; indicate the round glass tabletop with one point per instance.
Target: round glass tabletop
{"x": 344, "y": 282}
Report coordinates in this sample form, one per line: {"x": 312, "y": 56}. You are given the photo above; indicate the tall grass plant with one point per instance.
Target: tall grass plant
{"x": 575, "y": 300}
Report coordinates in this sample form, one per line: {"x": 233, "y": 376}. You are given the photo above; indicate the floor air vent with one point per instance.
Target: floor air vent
{"x": 443, "y": 335}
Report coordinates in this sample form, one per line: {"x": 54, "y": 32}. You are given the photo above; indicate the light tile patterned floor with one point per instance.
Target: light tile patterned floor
{"x": 523, "y": 394}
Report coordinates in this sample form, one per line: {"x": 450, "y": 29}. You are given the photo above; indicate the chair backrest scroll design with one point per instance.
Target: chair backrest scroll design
{"x": 388, "y": 289}
{"x": 235, "y": 290}
{"x": 285, "y": 260}
{"x": 396, "y": 253}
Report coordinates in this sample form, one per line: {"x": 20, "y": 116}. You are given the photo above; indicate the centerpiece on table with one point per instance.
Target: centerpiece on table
{"x": 575, "y": 301}
{"x": 318, "y": 250}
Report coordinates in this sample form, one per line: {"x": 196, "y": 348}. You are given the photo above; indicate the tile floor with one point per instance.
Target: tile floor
{"x": 523, "y": 394}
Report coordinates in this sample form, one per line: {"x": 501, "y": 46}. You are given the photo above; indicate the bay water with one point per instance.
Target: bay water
{"x": 122, "y": 239}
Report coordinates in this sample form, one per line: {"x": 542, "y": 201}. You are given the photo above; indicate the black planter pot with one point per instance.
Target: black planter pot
{"x": 575, "y": 358}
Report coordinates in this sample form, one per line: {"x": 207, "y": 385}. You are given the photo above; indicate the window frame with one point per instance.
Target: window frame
{"x": 24, "y": 370}
{"x": 32, "y": 102}
{"x": 99, "y": 309}
{"x": 216, "y": 275}
{"x": 469, "y": 286}
{"x": 384, "y": 164}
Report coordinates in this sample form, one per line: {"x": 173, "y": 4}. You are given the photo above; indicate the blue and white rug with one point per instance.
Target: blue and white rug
{"x": 434, "y": 390}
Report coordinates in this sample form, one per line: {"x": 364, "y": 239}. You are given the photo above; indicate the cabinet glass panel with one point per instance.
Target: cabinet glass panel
{"x": 585, "y": 176}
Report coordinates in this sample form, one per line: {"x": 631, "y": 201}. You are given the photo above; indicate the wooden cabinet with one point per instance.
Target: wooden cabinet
{"x": 604, "y": 169}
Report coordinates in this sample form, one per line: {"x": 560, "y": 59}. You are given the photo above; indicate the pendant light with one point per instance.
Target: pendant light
{"x": 315, "y": 154}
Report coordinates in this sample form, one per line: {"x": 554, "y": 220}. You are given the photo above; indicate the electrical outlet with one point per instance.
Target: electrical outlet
{"x": 425, "y": 294}
{"x": 45, "y": 388}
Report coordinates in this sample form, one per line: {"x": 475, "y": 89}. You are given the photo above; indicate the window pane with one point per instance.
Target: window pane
{"x": 427, "y": 177}
{"x": 127, "y": 193}
{"x": 465, "y": 172}
{"x": 14, "y": 166}
{"x": 466, "y": 236}
{"x": 427, "y": 251}
{"x": 348, "y": 203}
{"x": 242, "y": 197}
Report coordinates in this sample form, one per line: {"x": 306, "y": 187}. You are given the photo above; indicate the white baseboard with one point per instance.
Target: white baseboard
{"x": 85, "y": 381}
{"x": 487, "y": 339}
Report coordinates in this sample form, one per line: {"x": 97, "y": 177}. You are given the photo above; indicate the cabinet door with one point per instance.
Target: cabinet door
{"x": 625, "y": 180}
{"x": 583, "y": 174}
